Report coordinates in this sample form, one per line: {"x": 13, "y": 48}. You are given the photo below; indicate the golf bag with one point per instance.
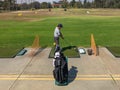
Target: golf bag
{"x": 60, "y": 71}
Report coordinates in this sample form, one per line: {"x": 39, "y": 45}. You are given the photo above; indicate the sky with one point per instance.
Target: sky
{"x": 19, "y": 1}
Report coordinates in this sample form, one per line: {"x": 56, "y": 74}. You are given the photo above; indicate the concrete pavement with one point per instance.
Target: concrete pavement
{"x": 85, "y": 73}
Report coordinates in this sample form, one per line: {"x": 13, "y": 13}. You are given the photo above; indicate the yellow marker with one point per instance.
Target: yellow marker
{"x": 93, "y": 45}
{"x": 54, "y": 43}
{"x": 19, "y": 14}
{"x": 36, "y": 42}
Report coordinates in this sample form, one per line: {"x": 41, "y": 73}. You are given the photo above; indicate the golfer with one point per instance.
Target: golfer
{"x": 57, "y": 35}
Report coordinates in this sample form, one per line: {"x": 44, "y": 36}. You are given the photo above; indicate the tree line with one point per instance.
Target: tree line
{"x": 12, "y": 5}
{"x": 93, "y": 4}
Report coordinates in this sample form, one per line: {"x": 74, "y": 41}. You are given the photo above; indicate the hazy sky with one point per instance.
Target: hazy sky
{"x": 45, "y": 0}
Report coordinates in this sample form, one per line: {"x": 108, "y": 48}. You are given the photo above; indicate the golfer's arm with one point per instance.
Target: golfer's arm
{"x": 61, "y": 35}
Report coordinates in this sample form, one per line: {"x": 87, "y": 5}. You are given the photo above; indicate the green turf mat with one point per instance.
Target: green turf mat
{"x": 115, "y": 51}
{"x": 69, "y": 51}
{"x": 9, "y": 52}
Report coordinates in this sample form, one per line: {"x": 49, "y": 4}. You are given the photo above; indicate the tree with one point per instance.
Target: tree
{"x": 85, "y": 3}
{"x": 12, "y": 4}
{"x": 65, "y": 5}
{"x": 6, "y": 5}
{"x": 117, "y": 3}
{"x": 49, "y": 6}
{"x": 1, "y": 6}
{"x": 24, "y": 6}
{"x": 79, "y": 4}
{"x": 1, "y": 3}
{"x": 98, "y": 3}
{"x": 9, "y": 4}
{"x": 88, "y": 5}
{"x": 35, "y": 5}
{"x": 44, "y": 5}
{"x": 109, "y": 4}
{"x": 72, "y": 3}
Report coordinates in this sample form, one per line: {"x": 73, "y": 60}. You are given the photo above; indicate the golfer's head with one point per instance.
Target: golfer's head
{"x": 60, "y": 26}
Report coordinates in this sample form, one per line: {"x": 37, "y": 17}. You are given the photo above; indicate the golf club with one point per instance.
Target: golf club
{"x": 69, "y": 43}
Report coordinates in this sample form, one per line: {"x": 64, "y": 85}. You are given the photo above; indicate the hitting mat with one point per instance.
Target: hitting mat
{"x": 69, "y": 51}
{"x": 9, "y": 52}
{"x": 115, "y": 51}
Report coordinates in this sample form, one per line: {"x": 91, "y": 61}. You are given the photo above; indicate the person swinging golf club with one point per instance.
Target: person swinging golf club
{"x": 57, "y": 34}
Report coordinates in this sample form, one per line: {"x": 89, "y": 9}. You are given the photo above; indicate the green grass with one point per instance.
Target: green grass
{"x": 77, "y": 30}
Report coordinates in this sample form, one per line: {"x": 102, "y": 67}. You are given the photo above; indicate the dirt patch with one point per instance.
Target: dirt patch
{"x": 25, "y": 15}
{"x": 42, "y": 13}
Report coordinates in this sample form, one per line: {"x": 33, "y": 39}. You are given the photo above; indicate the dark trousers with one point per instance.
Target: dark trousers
{"x": 57, "y": 47}
{"x": 56, "y": 40}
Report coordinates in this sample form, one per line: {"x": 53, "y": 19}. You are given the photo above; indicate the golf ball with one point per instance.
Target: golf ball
{"x": 54, "y": 44}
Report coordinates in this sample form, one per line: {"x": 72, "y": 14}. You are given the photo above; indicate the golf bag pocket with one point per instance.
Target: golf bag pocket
{"x": 57, "y": 62}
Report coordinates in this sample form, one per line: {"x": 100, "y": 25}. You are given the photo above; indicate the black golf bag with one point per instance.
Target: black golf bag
{"x": 60, "y": 71}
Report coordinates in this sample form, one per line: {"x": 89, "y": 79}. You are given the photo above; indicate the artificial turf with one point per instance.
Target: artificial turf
{"x": 115, "y": 51}
{"x": 8, "y": 52}
{"x": 69, "y": 51}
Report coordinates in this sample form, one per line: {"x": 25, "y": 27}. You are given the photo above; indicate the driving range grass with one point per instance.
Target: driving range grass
{"x": 77, "y": 30}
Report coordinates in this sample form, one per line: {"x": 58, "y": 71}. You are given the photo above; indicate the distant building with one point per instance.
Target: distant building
{"x": 57, "y": 4}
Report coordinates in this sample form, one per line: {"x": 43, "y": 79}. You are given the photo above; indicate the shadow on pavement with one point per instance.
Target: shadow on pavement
{"x": 40, "y": 50}
{"x": 72, "y": 74}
